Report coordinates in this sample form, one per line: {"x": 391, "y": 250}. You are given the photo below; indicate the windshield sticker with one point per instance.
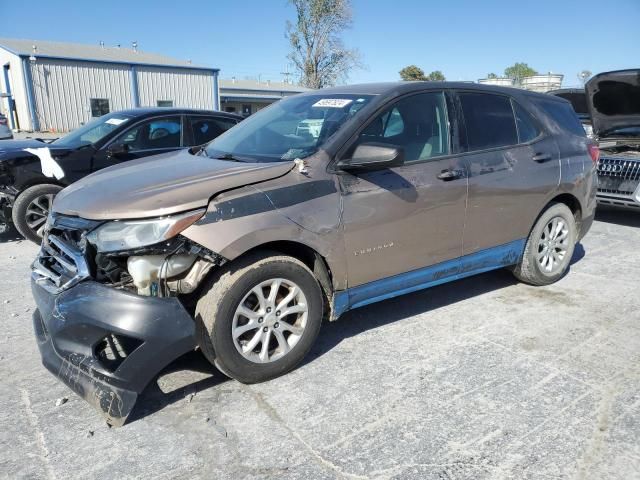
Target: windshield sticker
{"x": 332, "y": 102}
{"x": 116, "y": 121}
{"x": 49, "y": 166}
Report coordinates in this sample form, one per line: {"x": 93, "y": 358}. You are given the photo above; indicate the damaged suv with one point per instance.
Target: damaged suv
{"x": 241, "y": 248}
{"x": 614, "y": 103}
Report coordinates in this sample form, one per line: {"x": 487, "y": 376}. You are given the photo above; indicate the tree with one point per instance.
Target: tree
{"x": 317, "y": 51}
{"x": 518, "y": 71}
{"x": 492, "y": 75}
{"x": 411, "y": 73}
{"x": 436, "y": 76}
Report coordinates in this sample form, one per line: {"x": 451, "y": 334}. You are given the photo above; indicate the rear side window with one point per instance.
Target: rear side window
{"x": 527, "y": 127}
{"x": 489, "y": 121}
{"x": 206, "y": 129}
{"x": 563, "y": 114}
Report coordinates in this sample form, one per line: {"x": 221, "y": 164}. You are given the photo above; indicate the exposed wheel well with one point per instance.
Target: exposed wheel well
{"x": 574, "y": 205}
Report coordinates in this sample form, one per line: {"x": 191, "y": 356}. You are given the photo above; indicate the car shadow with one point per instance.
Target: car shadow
{"x": 10, "y": 234}
{"x": 627, "y": 218}
{"x": 352, "y": 323}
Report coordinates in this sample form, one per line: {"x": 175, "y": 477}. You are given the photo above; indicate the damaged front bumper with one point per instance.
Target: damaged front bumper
{"x": 7, "y": 197}
{"x": 107, "y": 344}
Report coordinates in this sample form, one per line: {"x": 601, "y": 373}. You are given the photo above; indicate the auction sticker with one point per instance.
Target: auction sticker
{"x": 116, "y": 121}
{"x": 332, "y": 102}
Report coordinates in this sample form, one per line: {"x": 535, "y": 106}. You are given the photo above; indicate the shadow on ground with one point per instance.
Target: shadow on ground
{"x": 10, "y": 234}
{"x": 627, "y": 218}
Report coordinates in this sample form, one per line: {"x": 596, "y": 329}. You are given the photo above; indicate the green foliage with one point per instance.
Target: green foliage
{"x": 436, "y": 76}
{"x": 412, "y": 73}
{"x": 492, "y": 75}
{"x": 518, "y": 71}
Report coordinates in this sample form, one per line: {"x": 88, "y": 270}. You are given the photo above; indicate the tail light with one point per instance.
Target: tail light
{"x": 594, "y": 152}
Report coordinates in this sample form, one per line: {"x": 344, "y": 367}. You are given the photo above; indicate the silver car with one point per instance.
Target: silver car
{"x": 5, "y": 131}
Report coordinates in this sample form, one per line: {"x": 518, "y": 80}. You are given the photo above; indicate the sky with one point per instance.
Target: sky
{"x": 465, "y": 39}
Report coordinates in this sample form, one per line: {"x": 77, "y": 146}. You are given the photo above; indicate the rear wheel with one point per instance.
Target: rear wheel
{"x": 31, "y": 208}
{"x": 257, "y": 319}
{"x": 549, "y": 248}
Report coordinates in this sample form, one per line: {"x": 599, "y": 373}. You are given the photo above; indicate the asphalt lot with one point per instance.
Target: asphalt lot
{"x": 483, "y": 378}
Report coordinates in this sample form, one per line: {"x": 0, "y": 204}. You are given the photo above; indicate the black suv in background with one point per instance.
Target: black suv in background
{"x": 33, "y": 172}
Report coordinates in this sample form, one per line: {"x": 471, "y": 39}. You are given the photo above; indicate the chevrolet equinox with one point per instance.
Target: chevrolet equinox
{"x": 321, "y": 203}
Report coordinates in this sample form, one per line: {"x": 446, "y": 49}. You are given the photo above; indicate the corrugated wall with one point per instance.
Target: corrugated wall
{"x": 187, "y": 88}
{"x": 63, "y": 89}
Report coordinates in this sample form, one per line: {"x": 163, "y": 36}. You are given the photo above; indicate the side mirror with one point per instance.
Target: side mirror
{"x": 117, "y": 150}
{"x": 372, "y": 156}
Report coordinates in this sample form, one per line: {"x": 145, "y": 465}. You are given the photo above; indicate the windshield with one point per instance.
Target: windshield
{"x": 94, "y": 131}
{"x": 295, "y": 127}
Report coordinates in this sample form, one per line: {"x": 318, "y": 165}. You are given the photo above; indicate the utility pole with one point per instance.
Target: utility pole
{"x": 286, "y": 74}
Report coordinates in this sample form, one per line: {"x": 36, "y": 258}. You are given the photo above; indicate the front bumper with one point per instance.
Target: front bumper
{"x": 73, "y": 327}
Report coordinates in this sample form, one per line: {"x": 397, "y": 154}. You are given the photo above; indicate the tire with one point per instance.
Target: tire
{"x": 217, "y": 317}
{"x": 544, "y": 266}
{"x": 31, "y": 208}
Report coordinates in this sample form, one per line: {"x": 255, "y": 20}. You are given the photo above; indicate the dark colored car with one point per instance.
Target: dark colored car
{"x": 613, "y": 99}
{"x": 33, "y": 172}
{"x": 320, "y": 203}
{"x": 5, "y": 131}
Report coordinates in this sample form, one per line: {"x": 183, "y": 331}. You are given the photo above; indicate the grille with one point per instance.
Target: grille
{"x": 618, "y": 175}
{"x": 61, "y": 262}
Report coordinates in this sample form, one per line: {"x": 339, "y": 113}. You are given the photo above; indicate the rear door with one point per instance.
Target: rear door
{"x": 402, "y": 219}
{"x": 513, "y": 166}
{"x": 203, "y": 129}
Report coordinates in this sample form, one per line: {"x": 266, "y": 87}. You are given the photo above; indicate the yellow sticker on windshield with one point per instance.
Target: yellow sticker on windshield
{"x": 332, "y": 102}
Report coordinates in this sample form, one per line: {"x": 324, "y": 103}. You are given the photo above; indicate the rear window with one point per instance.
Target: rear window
{"x": 563, "y": 115}
{"x": 489, "y": 121}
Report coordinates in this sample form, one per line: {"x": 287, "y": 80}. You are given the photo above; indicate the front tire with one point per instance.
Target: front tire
{"x": 31, "y": 208}
{"x": 258, "y": 318}
{"x": 549, "y": 248}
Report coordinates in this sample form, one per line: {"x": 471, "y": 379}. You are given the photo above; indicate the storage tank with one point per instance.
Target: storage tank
{"x": 542, "y": 83}
{"x": 500, "y": 81}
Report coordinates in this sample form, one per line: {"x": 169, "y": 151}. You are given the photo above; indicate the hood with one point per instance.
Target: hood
{"x": 159, "y": 185}
{"x": 12, "y": 149}
{"x": 613, "y": 99}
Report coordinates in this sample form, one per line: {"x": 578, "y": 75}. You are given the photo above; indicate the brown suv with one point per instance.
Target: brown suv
{"x": 319, "y": 204}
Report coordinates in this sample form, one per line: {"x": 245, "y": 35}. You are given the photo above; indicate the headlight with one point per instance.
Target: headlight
{"x": 131, "y": 234}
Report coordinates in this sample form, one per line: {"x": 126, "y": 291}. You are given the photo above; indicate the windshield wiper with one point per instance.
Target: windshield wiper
{"x": 228, "y": 156}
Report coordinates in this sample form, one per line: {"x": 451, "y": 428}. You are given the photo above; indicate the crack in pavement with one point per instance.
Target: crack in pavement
{"x": 39, "y": 436}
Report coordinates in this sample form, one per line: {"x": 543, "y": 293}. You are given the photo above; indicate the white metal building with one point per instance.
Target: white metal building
{"x": 52, "y": 86}
{"x": 248, "y": 96}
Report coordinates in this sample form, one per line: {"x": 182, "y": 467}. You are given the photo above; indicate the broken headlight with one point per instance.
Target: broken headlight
{"x": 130, "y": 234}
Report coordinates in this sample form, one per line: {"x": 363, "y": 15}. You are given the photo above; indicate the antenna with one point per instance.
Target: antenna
{"x": 286, "y": 74}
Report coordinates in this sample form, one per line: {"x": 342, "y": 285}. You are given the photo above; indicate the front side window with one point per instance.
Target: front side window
{"x": 99, "y": 106}
{"x": 295, "y": 127}
{"x": 489, "y": 121}
{"x": 206, "y": 129}
{"x": 417, "y": 124}
{"x": 154, "y": 134}
{"x": 527, "y": 127}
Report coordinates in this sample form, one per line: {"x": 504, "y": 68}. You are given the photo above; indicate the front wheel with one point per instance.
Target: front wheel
{"x": 31, "y": 208}
{"x": 258, "y": 318}
{"x": 549, "y": 248}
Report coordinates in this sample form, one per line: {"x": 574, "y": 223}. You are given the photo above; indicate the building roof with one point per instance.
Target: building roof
{"x": 96, "y": 53}
{"x": 266, "y": 86}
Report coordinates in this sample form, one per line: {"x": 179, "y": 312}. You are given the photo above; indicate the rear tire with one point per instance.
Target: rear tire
{"x": 233, "y": 323}
{"x": 31, "y": 208}
{"x": 549, "y": 248}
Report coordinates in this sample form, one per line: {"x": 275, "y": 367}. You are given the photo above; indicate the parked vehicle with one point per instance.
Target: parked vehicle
{"x": 5, "y": 131}
{"x": 614, "y": 104}
{"x": 578, "y": 99}
{"x": 245, "y": 246}
{"x": 33, "y": 172}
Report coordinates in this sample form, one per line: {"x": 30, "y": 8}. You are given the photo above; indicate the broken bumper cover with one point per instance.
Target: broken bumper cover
{"x": 72, "y": 328}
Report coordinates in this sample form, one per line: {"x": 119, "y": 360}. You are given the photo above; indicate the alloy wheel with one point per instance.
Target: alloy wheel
{"x": 270, "y": 320}
{"x": 553, "y": 245}
{"x": 38, "y": 211}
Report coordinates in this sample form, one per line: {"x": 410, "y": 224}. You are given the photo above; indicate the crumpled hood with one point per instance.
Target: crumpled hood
{"x": 159, "y": 185}
{"x": 10, "y": 149}
{"x": 614, "y": 100}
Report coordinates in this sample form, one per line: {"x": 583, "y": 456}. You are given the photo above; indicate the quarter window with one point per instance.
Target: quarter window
{"x": 154, "y": 134}
{"x": 418, "y": 124}
{"x": 99, "y": 106}
{"x": 489, "y": 121}
{"x": 527, "y": 128}
{"x": 563, "y": 114}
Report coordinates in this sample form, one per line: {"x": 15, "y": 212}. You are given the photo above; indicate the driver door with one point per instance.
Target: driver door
{"x": 406, "y": 218}
{"x": 152, "y": 136}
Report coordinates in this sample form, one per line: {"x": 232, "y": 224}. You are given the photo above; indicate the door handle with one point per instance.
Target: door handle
{"x": 542, "y": 157}
{"x": 448, "y": 175}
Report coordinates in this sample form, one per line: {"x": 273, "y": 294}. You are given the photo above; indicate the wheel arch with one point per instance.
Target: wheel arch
{"x": 574, "y": 205}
